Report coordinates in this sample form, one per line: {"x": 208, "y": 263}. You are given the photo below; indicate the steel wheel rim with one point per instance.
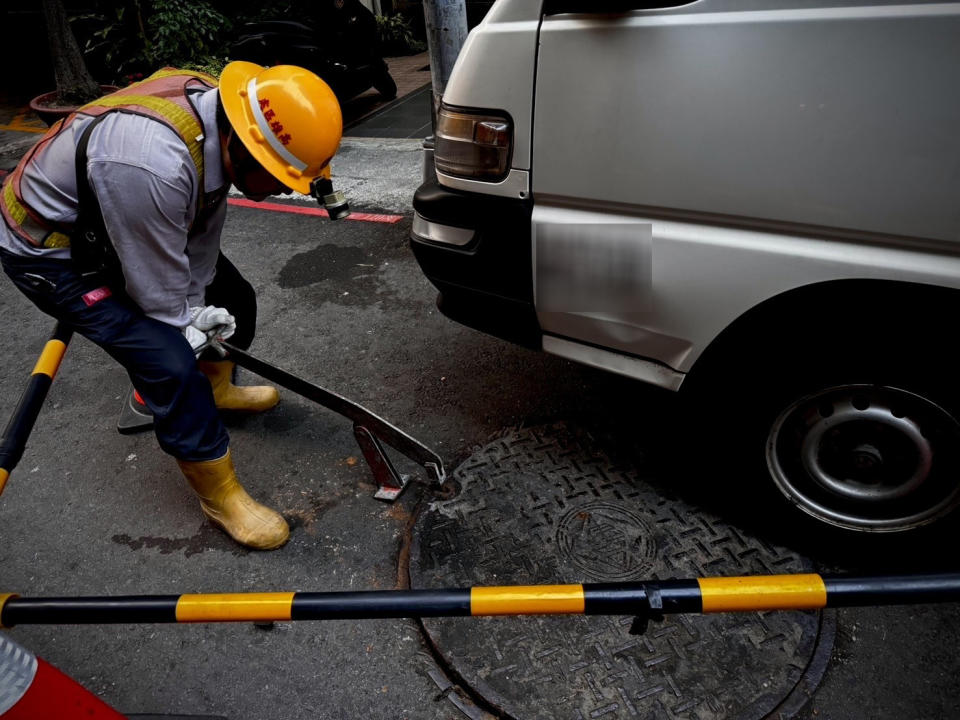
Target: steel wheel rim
{"x": 867, "y": 457}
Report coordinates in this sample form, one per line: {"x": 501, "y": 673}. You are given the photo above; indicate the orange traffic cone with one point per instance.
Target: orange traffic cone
{"x": 32, "y": 689}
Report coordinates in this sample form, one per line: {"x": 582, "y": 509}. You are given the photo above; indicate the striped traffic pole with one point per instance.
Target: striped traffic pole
{"x": 21, "y": 423}
{"x": 32, "y": 689}
{"x": 644, "y": 600}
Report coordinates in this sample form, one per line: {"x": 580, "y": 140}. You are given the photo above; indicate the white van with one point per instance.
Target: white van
{"x": 756, "y": 199}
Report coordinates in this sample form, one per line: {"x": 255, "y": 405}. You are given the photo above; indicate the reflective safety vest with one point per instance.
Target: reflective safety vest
{"x": 162, "y": 96}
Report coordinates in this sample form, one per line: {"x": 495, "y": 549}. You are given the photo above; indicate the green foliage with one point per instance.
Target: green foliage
{"x": 396, "y": 36}
{"x": 181, "y": 31}
{"x": 117, "y": 41}
{"x": 210, "y": 64}
{"x": 134, "y": 37}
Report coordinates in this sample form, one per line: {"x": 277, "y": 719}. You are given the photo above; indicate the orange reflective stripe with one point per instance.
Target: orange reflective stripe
{"x": 232, "y": 607}
{"x": 767, "y": 592}
{"x": 527, "y": 600}
{"x": 50, "y": 358}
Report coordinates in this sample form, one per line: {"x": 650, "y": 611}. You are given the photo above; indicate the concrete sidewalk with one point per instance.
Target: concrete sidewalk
{"x": 412, "y": 75}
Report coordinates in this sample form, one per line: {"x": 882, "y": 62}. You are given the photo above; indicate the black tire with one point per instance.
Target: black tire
{"x": 385, "y": 85}
{"x": 832, "y": 433}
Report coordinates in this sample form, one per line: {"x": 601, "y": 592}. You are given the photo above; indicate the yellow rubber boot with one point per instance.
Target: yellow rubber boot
{"x": 229, "y": 507}
{"x": 227, "y": 396}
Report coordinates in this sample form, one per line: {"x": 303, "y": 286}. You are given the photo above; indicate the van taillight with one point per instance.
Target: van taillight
{"x": 474, "y": 145}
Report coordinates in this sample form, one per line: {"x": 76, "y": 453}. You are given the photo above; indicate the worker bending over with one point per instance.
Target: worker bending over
{"x": 112, "y": 225}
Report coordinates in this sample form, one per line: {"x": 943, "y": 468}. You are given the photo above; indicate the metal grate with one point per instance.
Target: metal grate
{"x": 543, "y": 506}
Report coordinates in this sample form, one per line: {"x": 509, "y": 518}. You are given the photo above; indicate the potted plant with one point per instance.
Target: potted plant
{"x": 75, "y": 85}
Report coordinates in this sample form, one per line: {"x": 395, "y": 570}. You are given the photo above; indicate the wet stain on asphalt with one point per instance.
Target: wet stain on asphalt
{"x": 346, "y": 275}
{"x": 207, "y": 538}
{"x": 326, "y": 262}
{"x": 308, "y": 518}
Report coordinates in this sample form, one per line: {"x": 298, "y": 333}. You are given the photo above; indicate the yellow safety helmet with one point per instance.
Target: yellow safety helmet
{"x": 287, "y": 117}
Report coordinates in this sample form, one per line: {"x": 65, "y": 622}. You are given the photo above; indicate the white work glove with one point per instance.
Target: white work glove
{"x": 206, "y": 321}
{"x": 210, "y": 318}
{"x": 196, "y": 338}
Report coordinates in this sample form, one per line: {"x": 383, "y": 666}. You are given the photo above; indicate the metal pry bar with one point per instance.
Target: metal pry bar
{"x": 369, "y": 429}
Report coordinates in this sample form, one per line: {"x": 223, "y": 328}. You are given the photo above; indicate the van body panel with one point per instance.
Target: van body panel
{"x": 705, "y": 276}
{"x": 770, "y": 149}
{"x": 764, "y": 146}
{"x": 838, "y": 117}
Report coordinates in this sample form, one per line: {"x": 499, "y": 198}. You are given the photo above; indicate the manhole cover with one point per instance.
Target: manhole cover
{"x": 543, "y": 506}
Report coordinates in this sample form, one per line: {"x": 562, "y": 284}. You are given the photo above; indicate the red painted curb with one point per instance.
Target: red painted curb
{"x": 301, "y": 210}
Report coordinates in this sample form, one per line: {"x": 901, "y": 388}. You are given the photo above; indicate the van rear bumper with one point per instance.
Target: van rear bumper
{"x": 477, "y": 251}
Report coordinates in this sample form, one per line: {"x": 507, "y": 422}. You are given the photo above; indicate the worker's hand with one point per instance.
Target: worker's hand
{"x": 210, "y": 318}
{"x": 196, "y": 338}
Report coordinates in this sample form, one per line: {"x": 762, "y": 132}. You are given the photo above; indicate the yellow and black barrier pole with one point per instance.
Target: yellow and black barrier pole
{"x": 21, "y": 423}
{"x": 646, "y": 601}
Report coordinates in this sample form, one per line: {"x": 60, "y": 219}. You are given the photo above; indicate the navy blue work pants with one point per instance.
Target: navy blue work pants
{"x": 156, "y": 356}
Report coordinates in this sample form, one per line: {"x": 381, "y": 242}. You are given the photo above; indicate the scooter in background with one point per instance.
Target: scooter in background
{"x": 339, "y": 43}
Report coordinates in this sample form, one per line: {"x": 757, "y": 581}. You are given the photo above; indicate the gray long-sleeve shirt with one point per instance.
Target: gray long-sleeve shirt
{"x": 147, "y": 185}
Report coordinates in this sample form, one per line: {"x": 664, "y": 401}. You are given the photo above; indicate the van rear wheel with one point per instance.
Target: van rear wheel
{"x": 869, "y": 458}
{"x": 860, "y": 434}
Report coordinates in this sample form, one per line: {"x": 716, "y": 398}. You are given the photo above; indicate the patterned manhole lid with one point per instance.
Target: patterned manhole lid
{"x": 543, "y": 506}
